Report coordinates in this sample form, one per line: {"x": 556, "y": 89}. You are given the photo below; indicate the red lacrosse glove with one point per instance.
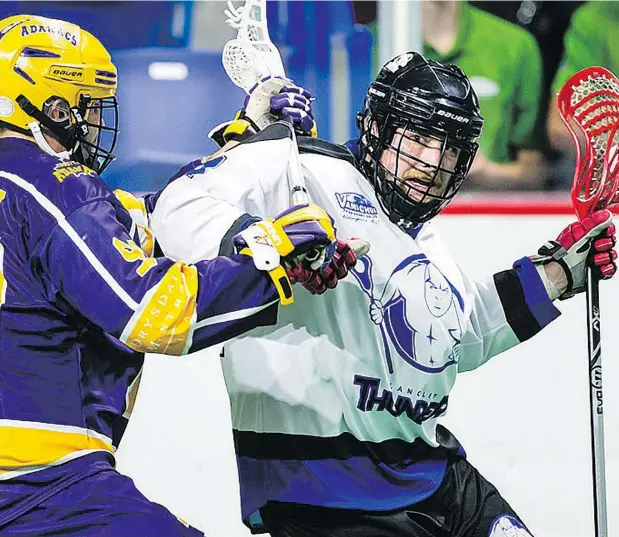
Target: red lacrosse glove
{"x": 581, "y": 244}
{"x": 318, "y": 281}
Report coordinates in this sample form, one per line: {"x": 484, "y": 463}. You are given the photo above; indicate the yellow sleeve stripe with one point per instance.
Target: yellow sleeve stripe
{"x": 163, "y": 322}
{"x": 129, "y": 201}
{"x": 27, "y": 449}
{"x": 137, "y": 209}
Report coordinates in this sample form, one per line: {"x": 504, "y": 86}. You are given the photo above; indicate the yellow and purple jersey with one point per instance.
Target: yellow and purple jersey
{"x": 81, "y": 301}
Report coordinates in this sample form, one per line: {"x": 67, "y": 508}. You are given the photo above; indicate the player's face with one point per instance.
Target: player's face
{"x": 94, "y": 119}
{"x": 418, "y": 165}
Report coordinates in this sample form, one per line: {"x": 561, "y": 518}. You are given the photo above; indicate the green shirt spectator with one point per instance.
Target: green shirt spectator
{"x": 504, "y": 64}
{"x": 590, "y": 40}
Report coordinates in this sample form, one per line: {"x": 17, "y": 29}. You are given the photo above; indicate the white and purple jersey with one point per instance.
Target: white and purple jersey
{"x": 338, "y": 403}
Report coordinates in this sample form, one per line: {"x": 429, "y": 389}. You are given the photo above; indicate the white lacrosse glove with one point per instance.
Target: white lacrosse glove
{"x": 562, "y": 263}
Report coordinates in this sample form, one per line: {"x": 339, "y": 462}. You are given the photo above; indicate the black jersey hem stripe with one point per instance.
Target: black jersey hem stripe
{"x": 281, "y": 446}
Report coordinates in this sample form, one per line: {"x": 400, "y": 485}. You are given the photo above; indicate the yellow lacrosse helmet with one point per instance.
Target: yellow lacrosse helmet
{"x": 60, "y": 80}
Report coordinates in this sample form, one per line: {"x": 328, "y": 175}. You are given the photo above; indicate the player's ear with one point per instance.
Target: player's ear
{"x": 57, "y": 109}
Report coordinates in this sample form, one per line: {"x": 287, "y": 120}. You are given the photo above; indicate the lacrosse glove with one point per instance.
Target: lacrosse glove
{"x": 562, "y": 263}
{"x": 328, "y": 275}
{"x": 302, "y": 237}
{"x": 272, "y": 99}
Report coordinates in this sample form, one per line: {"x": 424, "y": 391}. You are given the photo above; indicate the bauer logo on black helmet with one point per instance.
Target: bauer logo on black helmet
{"x": 455, "y": 117}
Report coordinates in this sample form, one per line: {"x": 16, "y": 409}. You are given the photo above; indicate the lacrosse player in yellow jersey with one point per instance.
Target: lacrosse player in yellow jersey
{"x": 82, "y": 300}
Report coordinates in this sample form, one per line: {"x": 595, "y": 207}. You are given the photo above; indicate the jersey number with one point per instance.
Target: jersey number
{"x": 131, "y": 253}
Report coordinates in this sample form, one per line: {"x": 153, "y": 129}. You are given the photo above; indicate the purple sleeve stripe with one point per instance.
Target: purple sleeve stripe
{"x": 535, "y": 295}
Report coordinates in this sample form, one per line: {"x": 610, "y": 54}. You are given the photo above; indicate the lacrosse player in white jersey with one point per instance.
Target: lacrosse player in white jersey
{"x": 335, "y": 408}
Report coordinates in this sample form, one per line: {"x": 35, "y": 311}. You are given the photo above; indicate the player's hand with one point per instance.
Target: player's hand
{"x": 563, "y": 263}
{"x": 376, "y": 311}
{"x": 302, "y": 236}
{"x": 329, "y": 274}
{"x": 295, "y": 102}
{"x": 274, "y": 98}
{"x": 271, "y": 99}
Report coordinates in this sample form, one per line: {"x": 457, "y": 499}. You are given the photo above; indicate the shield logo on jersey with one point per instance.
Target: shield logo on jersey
{"x": 418, "y": 312}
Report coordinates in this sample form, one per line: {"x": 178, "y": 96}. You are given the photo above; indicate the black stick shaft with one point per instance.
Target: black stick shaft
{"x": 596, "y": 405}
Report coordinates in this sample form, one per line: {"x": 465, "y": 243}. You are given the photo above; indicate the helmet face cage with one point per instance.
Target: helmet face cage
{"x": 88, "y": 131}
{"x": 411, "y": 201}
{"x": 96, "y": 131}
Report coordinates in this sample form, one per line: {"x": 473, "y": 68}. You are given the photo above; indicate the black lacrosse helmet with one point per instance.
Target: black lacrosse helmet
{"x": 434, "y": 103}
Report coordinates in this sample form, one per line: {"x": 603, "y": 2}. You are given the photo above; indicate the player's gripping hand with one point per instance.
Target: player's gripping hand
{"x": 327, "y": 276}
{"x": 269, "y": 100}
{"x": 562, "y": 263}
{"x": 302, "y": 236}
{"x": 295, "y": 102}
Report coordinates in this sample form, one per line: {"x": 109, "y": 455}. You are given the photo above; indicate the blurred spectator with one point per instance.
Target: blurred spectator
{"x": 590, "y": 40}
{"x": 504, "y": 64}
{"x": 547, "y": 21}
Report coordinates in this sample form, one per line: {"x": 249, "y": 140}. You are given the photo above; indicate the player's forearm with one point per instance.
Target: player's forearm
{"x": 523, "y": 173}
{"x": 233, "y": 297}
{"x": 508, "y": 308}
{"x": 150, "y": 304}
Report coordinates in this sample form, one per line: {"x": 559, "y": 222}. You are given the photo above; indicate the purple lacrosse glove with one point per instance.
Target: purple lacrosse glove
{"x": 295, "y": 102}
{"x": 301, "y": 235}
{"x": 275, "y": 98}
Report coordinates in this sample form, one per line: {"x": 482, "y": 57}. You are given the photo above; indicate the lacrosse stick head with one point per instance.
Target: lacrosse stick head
{"x": 589, "y": 107}
{"x": 251, "y": 56}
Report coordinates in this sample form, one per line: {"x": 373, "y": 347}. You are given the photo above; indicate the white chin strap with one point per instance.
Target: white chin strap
{"x": 35, "y": 128}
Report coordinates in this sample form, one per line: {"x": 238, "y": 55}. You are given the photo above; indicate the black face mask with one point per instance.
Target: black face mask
{"x": 435, "y": 101}
{"x": 411, "y": 201}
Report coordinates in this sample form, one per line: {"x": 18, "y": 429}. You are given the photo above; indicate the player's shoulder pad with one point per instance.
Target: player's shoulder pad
{"x": 317, "y": 146}
{"x": 306, "y": 144}
{"x": 276, "y": 131}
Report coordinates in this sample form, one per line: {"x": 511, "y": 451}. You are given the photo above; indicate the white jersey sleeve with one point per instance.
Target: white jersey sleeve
{"x": 198, "y": 210}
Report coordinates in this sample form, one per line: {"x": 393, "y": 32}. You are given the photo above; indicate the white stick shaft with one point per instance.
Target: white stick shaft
{"x": 294, "y": 172}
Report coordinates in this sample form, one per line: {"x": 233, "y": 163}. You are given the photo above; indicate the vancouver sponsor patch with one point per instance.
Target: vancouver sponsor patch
{"x": 357, "y": 207}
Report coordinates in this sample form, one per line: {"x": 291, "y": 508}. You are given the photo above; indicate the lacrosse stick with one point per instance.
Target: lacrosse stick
{"x": 251, "y": 57}
{"x": 589, "y": 106}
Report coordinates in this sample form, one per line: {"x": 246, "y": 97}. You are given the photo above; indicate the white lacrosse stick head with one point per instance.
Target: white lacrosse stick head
{"x": 251, "y": 56}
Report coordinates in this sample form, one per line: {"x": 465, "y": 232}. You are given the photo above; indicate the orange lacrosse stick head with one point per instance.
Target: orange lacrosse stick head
{"x": 589, "y": 107}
